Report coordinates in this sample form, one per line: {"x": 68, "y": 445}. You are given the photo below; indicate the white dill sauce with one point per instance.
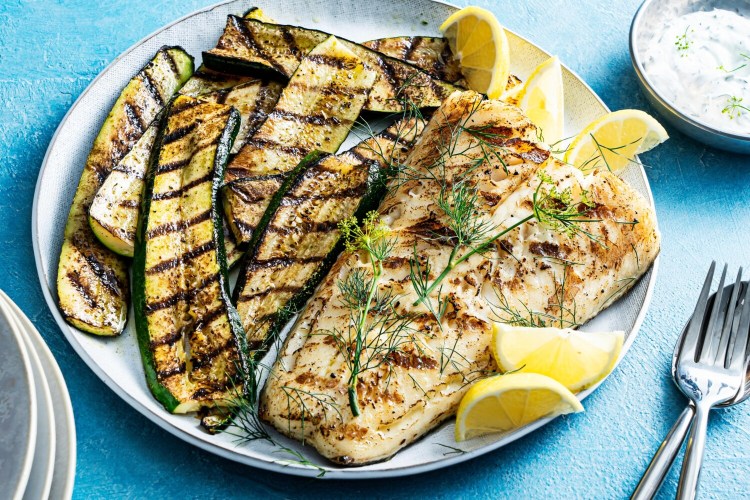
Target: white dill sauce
{"x": 700, "y": 63}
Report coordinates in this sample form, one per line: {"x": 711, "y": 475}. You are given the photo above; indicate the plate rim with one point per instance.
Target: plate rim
{"x": 279, "y": 466}
{"x": 44, "y": 406}
{"x": 28, "y": 457}
{"x": 55, "y": 378}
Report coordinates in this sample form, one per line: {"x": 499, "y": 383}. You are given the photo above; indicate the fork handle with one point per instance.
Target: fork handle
{"x": 691, "y": 467}
{"x": 664, "y": 457}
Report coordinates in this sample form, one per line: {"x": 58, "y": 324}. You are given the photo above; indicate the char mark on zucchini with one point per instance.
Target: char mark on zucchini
{"x": 190, "y": 337}
{"x": 318, "y": 119}
{"x": 250, "y": 45}
{"x": 114, "y": 211}
{"x": 299, "y": 241}
{"x": 431, "y": 54}
{"x": 88, "y": 269}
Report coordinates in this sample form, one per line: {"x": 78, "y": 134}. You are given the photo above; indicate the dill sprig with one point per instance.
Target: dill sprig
{"x": 566, "y": 316}
{"x": 683, "y": 43}
{"x": 734, "y": 107}
{"x": 744, "y": 56}
{"x": 556, "y": 210}
{"x": 376, "y": 330}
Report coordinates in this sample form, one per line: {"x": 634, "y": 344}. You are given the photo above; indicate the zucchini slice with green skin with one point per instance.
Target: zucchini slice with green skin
{"x": 205, "y": 81}
{"x": 190, "y": 336}
{"x": 299, "y": 239}
{"x": 113, "y": 215}
{"x": 249, "y": 46}
{"x": 315, "y": 112}
{"x": 431, "y": 54}
{"x": 92, "y": 281}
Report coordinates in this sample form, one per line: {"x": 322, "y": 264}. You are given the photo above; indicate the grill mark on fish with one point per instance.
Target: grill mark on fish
{"x": 547, "y": 249}
{"x": 171, "y": 372}
{"x": 186, "y": 256}
{"x": 178, "y": 134}
{"x": 353, "y": 192}
{"x": 172, "y": 166}
{"x": 84, "y": 291}
{"x": 186, "y": 295}
{"x": 310, "y": 119}
{"x": 178, "y": 192}
{"x": 411, "y": 361}
{"x": 152, "y": 89}
{"x": 278, "y": 289}
{"x": 171, "y": 227}
{"x": 254, "y": 45}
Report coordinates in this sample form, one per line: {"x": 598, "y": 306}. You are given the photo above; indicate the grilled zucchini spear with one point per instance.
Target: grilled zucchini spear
{"x": 431, "y": 54}
{"x": 297, "y": 240}
{"x": 252, "y": 46}
{"x": 315, "y": 112}
{"x": 190, "y": 336}
{"x": 114, "y": 211}
{"x": 92, "y": 281}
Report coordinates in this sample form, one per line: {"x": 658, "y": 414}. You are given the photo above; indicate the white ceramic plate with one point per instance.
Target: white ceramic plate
{"x": 117, "y": 362}
{"x": 63, "y": 467}
{"x": 40, "y": 477}
{"x": 18, "y": 409}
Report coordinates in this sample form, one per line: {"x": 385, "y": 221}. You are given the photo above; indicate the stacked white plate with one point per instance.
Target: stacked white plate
{"x": 38, "y": 438}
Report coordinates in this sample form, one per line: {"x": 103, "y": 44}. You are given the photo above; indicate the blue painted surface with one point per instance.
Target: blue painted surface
{"x": 50, "y": 51}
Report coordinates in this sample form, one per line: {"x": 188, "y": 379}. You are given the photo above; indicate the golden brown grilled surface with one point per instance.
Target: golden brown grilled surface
{"x": 296, "y": 244}
{"x": 315, "y": 112}
{"x": 280, "y": 48}
{"x": 425, "y": 382}
{"x": 186, "y": 309}
{"x": 432, "y": 54}
{"x": 92, "y": 281}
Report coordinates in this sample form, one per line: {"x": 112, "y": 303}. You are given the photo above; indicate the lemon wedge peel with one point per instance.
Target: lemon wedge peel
{"x": 506, "y": 402}
{"x": 613, "y": 140}
{"x": 542, "y": 99}
{"x": 575, "y": 358}
{"x": 480, "y": 44}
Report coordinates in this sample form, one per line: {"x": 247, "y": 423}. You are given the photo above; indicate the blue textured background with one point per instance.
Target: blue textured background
{"x": 50, "y": 51}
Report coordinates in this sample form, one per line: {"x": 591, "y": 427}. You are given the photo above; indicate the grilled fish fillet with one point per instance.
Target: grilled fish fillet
{"x": 534, "y": 268}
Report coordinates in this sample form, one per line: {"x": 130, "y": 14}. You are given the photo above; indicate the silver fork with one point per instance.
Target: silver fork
{"x": 711, "y": 368}
{"x": 667, "y": 452}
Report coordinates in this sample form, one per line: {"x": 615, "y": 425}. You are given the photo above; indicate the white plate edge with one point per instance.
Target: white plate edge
{"x": 280, "y": 466}
{"x": 53, "y": 367}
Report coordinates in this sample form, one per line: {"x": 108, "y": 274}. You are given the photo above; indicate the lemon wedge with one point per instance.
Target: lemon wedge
{"x": 613, "y": 140}
{"x": 541, "y": 99}
{"x": 505, "y": 402}
{"x": 574, "y": 358}
{"x": 479, "y": 43}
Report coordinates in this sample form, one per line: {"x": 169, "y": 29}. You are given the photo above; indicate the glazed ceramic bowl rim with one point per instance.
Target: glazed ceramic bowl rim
{"x": 643, "y": 77}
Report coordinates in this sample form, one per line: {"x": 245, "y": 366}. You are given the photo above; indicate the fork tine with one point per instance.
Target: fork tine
{"x": 692, "y": 333}
{"x": 731, "y": 320}
{"x": 740, "y": 334}
{"x": 714, "y": 330}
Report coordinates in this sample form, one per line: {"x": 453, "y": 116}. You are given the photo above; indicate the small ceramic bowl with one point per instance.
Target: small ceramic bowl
{"x": 650, "y": 17}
